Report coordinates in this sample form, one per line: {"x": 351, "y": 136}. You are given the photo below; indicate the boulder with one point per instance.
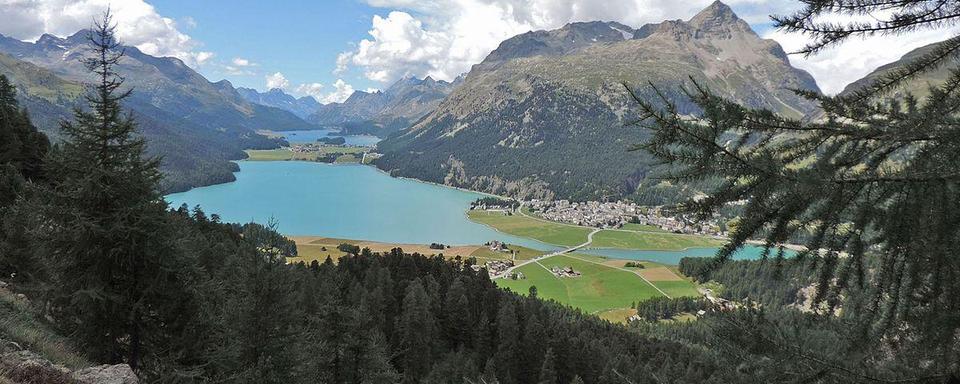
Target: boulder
{"x": 25, "y": 365}
{"x": 106, "y": 374}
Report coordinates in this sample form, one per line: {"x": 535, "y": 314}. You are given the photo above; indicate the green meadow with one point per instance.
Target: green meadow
{"x": 518, "y": 225}
{"x": 651, "y": 240}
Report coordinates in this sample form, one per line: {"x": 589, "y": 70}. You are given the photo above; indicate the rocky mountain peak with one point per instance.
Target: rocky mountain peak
{"x": 718, "y": 19}
{"x": 48, "y": 39}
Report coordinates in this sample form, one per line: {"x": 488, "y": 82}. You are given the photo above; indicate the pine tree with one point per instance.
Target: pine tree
{"x": 456, "y": 315}
{"x": 417, "y": 333}
{"x": 104, "y": 233}
{"x": 266, "y": 332}
{"x": 22, "y": 147}
{"x": 875, "y": 181}
{"x": 508, "y": 342}
{"x": 548, "y": 373}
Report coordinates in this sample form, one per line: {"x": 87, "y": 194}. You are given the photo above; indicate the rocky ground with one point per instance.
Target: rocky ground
{"x": 28, "y": 343}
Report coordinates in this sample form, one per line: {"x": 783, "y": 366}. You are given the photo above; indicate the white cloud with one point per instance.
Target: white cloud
{"x": 203, "y": 56}
{"x": 444, "y": 38}
{"x": 189, "y": 21}
{"x": 138, "y": 24}
{"x": 838, "y": 66}
{"x": 237, "y": 71}
{"x": 343, "y": 62}
{"x": 341, "y": 92}
{"x": 241, "y": 62}
{"x": 277, "y": 80}
{"x": 311, "y": 89}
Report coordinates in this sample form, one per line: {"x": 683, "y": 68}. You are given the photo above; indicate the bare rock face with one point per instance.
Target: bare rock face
{"x": 106, "y": 374}
{"x": 23, "y": 366}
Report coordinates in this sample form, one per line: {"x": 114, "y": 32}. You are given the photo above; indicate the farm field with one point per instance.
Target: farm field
{"x": 651, "y": 240}
{"x": 599, "y": 288}
{"x": 310, "y": 248}
{"x": 522, "y": 253}
{"x": 642, "y": 228}
{"x": 519, "y": 225}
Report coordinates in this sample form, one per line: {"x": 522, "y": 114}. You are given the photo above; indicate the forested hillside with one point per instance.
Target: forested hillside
{"x": 181, "y": 297}
{"x": 195, "y": 125}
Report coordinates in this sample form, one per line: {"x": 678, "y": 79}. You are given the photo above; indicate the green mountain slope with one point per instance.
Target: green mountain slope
{"x": 191, "y": 155}
{"x": 545, "y": 115}
{"x": 195, "y": 125}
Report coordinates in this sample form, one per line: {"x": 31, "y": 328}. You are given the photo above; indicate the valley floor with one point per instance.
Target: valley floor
{"x": 605, "y": 287}
{"x": 601, "y": 286}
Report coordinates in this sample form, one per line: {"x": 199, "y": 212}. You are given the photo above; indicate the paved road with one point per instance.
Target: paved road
{"x": 549, "y": 255}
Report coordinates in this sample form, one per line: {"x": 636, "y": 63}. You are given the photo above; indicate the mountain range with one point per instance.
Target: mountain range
{"x": 277, "y": 98}
{"x": 546, "y": 114}
{"x": 383, "y": 112}
{"x": 195, "y": 125}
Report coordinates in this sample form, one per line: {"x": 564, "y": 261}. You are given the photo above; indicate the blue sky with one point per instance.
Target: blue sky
{"x": 301, "y": 39}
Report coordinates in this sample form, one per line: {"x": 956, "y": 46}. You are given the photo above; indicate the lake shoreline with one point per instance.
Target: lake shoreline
{"x": 464, "y": 214}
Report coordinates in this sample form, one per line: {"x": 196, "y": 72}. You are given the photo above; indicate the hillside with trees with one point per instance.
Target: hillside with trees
{"x": 195, "y": 125}
{"x": 546, "y": 114}
{"x": 99, "y": 270}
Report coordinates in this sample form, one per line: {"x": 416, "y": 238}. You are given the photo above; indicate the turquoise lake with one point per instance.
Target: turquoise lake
{"x": 359, "y": 202}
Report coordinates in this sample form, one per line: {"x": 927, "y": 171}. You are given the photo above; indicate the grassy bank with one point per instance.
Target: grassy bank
{"x": 522, "y": 226}
{"x": 345, "y": 154}
{"x": 651, "y": 240}
{"x": 21, "y": 324}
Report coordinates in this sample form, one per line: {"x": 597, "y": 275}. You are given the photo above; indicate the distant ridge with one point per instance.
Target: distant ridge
{"x": 383, "y": 112}
{"x": 277, "y": 98}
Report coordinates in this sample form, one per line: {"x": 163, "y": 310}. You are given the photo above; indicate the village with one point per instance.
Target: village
{"x": 314, "y": 147}
{"x": 497, "y": 268}
{"x": 613, "y": 215}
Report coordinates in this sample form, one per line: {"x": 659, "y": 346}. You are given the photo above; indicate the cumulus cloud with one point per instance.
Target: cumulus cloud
{"x": 444, "y": 38}
{"x": 447, "y": 37}
{"x": 277, "y": 80}
{"x": 138, "y": 24}
{"x": 341, "y": 92}
{"x": 311, "y": 89}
